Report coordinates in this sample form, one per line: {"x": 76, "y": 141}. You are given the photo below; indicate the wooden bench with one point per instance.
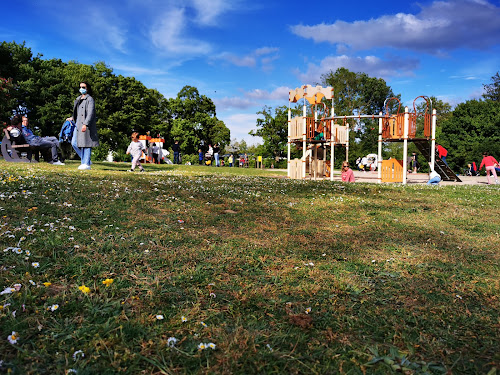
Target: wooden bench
{"x": 12, "y": 149}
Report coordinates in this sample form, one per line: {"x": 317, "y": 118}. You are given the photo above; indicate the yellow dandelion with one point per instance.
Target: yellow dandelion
{"x": 108, "y": 282}
{"x": 84, "y": 289}
{"x": 47, "y": 284}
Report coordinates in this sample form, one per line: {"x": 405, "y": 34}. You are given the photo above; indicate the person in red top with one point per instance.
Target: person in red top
{"x": 489, "y": 162}
{"x": 347, "y": 173}
{"x": 442, "y": 152}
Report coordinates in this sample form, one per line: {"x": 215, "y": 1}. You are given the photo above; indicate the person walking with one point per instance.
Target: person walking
{"x": 85, "y": 135}
{"x": 200, "y": 156}
{"x": 177, "y": 151}
{"x": 489, "y": 163}
{"x": 155, "y": 150}
{"x": 135, "y": 149}
{"x": 414, "y": 165}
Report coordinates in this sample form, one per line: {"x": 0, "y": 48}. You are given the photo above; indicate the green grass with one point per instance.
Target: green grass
{"x": 397, "y": 278}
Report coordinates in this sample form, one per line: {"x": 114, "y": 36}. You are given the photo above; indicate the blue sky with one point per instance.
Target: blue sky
{"x": 248, "y": 54}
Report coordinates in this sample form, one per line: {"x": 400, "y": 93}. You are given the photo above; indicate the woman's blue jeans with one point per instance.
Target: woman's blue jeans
{"x": 434, "y": 181}
{"x": 83, "y": 152}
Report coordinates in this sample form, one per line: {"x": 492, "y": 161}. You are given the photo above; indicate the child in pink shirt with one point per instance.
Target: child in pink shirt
{"x": 347, "y": 173}
{"x": 489, "y": 162}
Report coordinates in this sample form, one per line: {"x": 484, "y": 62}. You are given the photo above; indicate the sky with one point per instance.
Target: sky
{"x": 245, "y": 55}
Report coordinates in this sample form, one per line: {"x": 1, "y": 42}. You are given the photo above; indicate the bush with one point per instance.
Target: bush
{"x": 121, "y": 155}
{"x": 193, "y": 159}
{"x": 101, "y": 153}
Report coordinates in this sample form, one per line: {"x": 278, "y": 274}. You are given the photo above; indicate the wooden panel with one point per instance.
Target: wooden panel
{"x": 392, "y": 170}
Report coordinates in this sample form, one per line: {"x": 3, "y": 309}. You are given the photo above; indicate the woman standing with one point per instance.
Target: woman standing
{"x": 85, "y": 135}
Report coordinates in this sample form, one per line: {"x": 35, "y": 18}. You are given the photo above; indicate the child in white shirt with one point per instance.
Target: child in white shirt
{"x": 135, "y": 149}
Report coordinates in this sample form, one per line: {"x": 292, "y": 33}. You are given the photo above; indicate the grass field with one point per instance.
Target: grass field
{"x": 187, "y": 269}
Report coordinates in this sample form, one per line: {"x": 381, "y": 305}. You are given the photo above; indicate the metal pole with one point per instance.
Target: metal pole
{"x": 304, "y": 131}
{"x": 405, "y": 143}
{"x": 288, "y": 154}
{"x": 379, "y": 164}
{"x": 332, "y": 146}
{"x": 433, "y": 140}
{"x": 347, "y": 144}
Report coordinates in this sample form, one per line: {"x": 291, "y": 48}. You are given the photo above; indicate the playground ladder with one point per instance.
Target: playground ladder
{"x": 440, "y": 167}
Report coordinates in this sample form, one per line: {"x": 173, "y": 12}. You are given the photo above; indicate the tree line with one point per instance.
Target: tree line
{"x": 466, "y": 131}
{"x": 45, "y": 89}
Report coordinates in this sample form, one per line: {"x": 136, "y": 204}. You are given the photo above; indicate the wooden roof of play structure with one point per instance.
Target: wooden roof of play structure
{"x": 313, "y": 94}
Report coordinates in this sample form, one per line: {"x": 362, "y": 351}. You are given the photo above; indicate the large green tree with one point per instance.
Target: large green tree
{"x": 359, "y": 94}
{"x": 46, "y": 89}
{"x": 492, "y": 90}
{"x": 272, "y": 126}
{"x": 194, "y": 121}
{"x": 471, "y": 130}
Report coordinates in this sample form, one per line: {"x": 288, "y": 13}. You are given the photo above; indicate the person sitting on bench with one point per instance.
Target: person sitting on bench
{"x": 36, "y": 141}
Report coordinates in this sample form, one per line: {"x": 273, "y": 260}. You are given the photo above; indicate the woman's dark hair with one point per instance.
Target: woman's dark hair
{"x": 16, "y": 120}
{"x": 485, "y": 153}
{"x": 89, "y": 88}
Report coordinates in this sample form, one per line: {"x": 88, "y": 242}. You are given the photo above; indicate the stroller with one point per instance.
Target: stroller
{"x": 471, "y": 169}
{"x": 208, "y": 158}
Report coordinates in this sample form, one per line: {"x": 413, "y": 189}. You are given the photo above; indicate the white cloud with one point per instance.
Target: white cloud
{"x": 440, "y": 26}
{"x": 169, "y": 35}
{"x": 259, "y": 57}
{"x": 254, "y": 98}
{"x": 371, "y": 65}
{"x": 240, "y": 125}
{"x": 243, "y": 61}
{"x": 134, "y": 70}
{"x": 176, "y": 21}
{"x": 106, "y": 29}
{"x": 209, "y": 10}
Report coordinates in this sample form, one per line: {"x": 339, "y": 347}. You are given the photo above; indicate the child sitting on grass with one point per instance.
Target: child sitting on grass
{"x": 135, "y": 149}
{"x": 347, "y": 174}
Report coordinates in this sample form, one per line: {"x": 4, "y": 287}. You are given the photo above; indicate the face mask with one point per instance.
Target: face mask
{"x": 83, "y": 91}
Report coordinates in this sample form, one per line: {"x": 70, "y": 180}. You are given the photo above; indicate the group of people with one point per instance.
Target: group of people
{"x": 211, "y": 154}
{"x": 84, "y": 136}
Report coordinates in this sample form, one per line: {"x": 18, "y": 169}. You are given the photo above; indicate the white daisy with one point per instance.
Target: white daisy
{"x": 13, "y": 338}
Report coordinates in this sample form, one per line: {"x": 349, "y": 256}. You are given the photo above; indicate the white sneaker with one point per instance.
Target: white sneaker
{"x": 84, "y": 166}
{"x": 58, "y": 163}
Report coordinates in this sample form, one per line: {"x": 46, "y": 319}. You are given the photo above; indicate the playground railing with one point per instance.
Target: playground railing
{"x": 296, "y": 128}
{"x": 392, "y": 170}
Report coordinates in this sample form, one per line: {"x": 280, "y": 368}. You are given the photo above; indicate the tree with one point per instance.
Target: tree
{"x": 194, "y": 122}
{"x": 492, "y": 90}
{"x": 357, "y": 93}
{"x": 471, "y": 130}
{"x": 45, "y": 90}
{"x": 273, "y": 128}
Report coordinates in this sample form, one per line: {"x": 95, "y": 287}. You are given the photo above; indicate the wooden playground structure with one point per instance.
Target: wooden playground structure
{"x": 318, "y": 131}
